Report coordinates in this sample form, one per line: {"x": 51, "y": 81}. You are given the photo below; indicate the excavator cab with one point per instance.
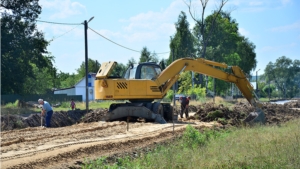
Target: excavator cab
{"x": 147, "y": 70}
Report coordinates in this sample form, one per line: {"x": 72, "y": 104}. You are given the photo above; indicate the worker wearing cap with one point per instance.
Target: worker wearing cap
{"x": 48, "y": 110}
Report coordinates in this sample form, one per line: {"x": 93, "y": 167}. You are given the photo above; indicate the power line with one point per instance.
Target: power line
{"x": 64, "y": 33}
{"x": 121, "y": 45}
{"x": 59, "y": 23}
{"x": 46, "y": 21}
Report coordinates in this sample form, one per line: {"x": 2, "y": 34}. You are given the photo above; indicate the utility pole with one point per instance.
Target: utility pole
{"x": 269, "y": 90}
{"x": 173, "y": 91}
{"x": 86, "y": 64}
{"x": 257, "y": 84}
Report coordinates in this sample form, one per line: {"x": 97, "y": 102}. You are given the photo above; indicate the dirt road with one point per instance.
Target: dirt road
{"x": 64, "y": 147}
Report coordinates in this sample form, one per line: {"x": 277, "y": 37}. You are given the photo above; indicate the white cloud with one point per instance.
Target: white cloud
{"x": 244, "y": 32}
{"x": 285, "y": 28}
{"x": 152, "y": 25}
{"x": 63, "y": 8}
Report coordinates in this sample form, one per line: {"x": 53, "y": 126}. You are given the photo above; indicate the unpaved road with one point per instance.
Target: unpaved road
{"x": 63, "y": 147}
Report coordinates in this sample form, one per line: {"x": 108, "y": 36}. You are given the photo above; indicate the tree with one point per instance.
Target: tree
{"x": 227, "y": 45}
{"x": 93, "y": 67}
{"x": 23, "y": 47}
{"x": 182, "y": 44}
{"x": 162, "y": 64}
{"x": 119, "y": 70}
{"x": 203, "y": 32}
{"x": 146, "y": 56}
{"x": 130, "y": 62}
{"x": 285, "y": 73}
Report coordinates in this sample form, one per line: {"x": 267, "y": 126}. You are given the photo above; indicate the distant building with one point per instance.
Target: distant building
{"x": 79, "y": 88}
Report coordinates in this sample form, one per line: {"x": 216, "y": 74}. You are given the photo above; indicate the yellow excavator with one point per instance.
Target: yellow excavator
{"x": 144, "y": 83}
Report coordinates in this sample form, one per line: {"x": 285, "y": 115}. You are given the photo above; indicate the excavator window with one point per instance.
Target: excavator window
{"x": 130, "y": 73}
{"x": 148, "y": 72}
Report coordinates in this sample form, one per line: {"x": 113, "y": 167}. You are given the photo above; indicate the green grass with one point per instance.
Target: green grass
{"x": 256, "y": 147}
{"x": 264, "y": 99}
{"x": 82, "y": 105}
{"x": 12, "y": 108}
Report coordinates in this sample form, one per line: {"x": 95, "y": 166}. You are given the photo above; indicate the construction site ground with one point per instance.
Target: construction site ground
{"x": 77, "y": 136}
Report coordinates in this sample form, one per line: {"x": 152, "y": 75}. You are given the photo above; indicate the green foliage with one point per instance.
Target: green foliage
{"x": 119, "y": 70}
{"x": 93, "y": 67}
{"x": 185, "y": 80}
{"x": 100, "y": 162}
{"x": 22, "y": 45}
{"x": 130, "y": 61}
{"x": 162, "y": 64}
{"x": 12, "y": 105}
{"x": 169, "y": 95}
{"x": 215, "y": 114}
{"x": 147, "y": 56}
{"x": 193, "y": 138}
{"x": 197, "y": 91}
{"x": 268, "y": 88}
{"x": 225, "y": 45}
{"x": 285, "y": 74}
{"x": 182, "y": 43}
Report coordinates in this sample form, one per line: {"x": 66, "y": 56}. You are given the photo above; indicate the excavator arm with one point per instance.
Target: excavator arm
{"x": 169, "y": 76}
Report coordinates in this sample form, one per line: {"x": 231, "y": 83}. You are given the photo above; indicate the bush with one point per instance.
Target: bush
{"x": 197, "y": 91}
{"x": 12, "y": 105}
{"x": 169, "y": 95}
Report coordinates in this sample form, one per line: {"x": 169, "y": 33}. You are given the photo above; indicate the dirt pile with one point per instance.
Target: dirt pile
{"x": 293, "y": 104}
{"x": 275, "y": 113}
{"x": 94, "y": 116}
{"x": 59, "y": 119}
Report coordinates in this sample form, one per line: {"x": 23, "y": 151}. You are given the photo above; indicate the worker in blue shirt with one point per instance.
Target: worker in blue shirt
{"x": 48, "y": 110}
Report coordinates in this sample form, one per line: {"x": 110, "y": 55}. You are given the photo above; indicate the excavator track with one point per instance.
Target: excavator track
{"x": 156, "y": 111}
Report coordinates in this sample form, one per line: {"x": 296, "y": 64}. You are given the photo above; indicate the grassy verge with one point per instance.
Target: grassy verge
{"x": 82, "y": 105}
{"x": 13, "y": 109}
{"x": 256, "y": 147}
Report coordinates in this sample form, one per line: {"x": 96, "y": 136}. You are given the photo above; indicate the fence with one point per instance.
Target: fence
{"x": 53, "y": 98}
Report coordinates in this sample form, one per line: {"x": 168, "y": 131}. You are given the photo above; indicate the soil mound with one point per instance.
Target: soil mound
{"x": 59, "y": 119}
{"x": 94, "y": 116}
{"x": 275, "y": 113}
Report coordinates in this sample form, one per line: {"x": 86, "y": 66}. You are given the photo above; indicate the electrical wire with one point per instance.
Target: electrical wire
{"x": 59, "y": 23}
{"x": 63, "y": 33}
{"x": 121, "y": 45}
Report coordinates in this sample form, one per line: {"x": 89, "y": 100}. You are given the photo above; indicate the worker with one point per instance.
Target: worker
{"x": 185, "y": 101}
{"x": 72, "y": 104}
{"x": 48, "y": 110}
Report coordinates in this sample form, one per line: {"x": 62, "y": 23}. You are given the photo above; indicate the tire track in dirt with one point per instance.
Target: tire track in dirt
{"x": 136, "y": 137}
{"x": 22, "y": 138}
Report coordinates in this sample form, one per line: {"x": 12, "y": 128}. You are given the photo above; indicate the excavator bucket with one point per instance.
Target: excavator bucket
{"x": 257, "y": 117}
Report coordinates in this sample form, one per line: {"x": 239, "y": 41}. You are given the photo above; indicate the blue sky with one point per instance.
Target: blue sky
{"x": 272, "y": 25}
